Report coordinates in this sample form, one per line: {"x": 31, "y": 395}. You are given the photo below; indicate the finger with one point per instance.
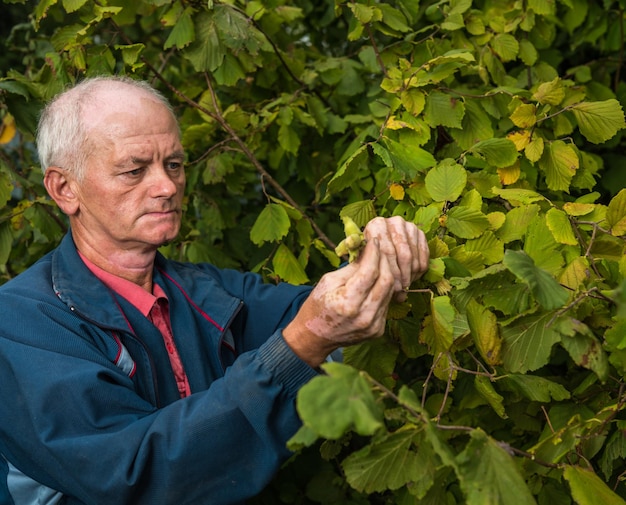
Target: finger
{"x": 365, "y": 270}
{"x": 380, "y": 297}
{"x": 381, "y": 229}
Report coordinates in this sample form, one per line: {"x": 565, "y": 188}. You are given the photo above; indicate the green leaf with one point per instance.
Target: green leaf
{"x": 183, "y": 32}
{"x": 588, "y": 489}
{"x": 288, "y": 138}
{"x": 559, "y": 162}
{"x": 390, "y": 462}
{"x": 207, "y": 52}
{"x": 561, "y": 227}
{"x": 445, "y": 110}
{"x": 599, "y": 121}
{"x": 476, "y": 126}
{"x": 287, "y": 266}
{"x": 534, "y": 388}
{"x": 528, "y": 342}
{"x": 543, "y": 7}
{"x": 546, "y": 290}
{"x": 542, "y": 248}
{"x": 527, "y": 52}
{"x": 505, "y": 46}
{"x": 488, "y": 474}
{"x": 271, "y": 225}
{"x": 365, "y": 13}
{"x": 393, "y": 18}
{"x": 616, "y": 214}
{"x": 6, "y": 241}
{"x": 131, "y": 53}
{"x": 466, "y": 223}
{"x": 489, "y": 246}
{"x": 360, "y": 212}
{"x": 446, "y": 181}
{"x": 377, "y": 357}
{"x": 485, "y": 389}
{"x": 73, "y": 5}
{"x": 584, "y": 348}
{"x": 496, "y": 152}
{"x": 333, "y": 404}
{"x": 349, "y": 171}
{"x": 408, "y": 159}
{"x": 6, "y": 187}
{"x": 42, "y": 10}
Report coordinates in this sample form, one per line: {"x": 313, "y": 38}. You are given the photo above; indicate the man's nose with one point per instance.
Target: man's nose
{"x": 163, "y": 182}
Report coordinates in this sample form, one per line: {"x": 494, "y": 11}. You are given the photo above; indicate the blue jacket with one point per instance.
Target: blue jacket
{"x": 89, "y": 408}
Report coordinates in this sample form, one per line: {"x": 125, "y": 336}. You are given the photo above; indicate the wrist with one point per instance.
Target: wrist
{"x": 310, "y": 348}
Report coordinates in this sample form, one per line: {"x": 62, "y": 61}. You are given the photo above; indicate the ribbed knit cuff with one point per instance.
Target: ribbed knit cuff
{"x": 284, "y": 364}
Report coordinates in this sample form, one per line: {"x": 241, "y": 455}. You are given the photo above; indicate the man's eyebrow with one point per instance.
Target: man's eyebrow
{"x": 176, "y": 155}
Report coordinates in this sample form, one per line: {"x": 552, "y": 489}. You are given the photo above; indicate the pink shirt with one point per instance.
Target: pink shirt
{"x": 154, "y": 306}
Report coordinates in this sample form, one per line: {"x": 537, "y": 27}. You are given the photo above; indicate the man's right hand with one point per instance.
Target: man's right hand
{"x": 350, "y": 305}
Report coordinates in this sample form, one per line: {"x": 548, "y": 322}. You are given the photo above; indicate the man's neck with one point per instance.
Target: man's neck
{"x": 130, "y": 265}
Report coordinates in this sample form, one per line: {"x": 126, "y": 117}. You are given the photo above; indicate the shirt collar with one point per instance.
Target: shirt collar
{"x": 136, "y": 295}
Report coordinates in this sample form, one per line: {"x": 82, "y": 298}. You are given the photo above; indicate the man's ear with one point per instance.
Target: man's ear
{"x": 60, "y": 187}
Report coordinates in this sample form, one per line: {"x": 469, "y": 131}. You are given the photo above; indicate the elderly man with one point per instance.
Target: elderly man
{"x": 127, "y": 378}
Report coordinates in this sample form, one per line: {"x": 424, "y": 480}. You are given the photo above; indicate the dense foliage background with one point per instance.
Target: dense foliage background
{"x": 495, "y": 125}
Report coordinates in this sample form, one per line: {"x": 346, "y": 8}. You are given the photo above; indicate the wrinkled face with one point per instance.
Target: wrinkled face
{"x": 132, "y": 190}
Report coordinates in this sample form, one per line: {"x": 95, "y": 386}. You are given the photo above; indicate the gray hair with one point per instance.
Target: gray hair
{"x": 62, "y": 136}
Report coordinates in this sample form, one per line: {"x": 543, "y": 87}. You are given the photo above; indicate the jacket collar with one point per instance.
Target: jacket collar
{"x": 90, "y": 298}
{"x": 81, "y": 290}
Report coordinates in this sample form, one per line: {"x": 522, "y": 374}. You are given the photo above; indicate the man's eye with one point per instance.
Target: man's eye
{"x": 135, "y": 172}
{"x": 174, "y": 165}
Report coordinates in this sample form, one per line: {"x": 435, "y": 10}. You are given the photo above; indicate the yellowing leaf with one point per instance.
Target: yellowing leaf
{"x": 7, "y": 129}
{"x": 589, "y": 489}
{"x": 616, "y": 214}
{"x": 524, "y": 116}
{"x": 396, "y": 124}
{"x": 519, "y": 138}
{"x": 496, "y": 219}
{"x": 438, "y": 331}
{"x": 413, "y": 100}
{"x": 396, "y": 191}
{"x": 509, "y": 175}
{"x": 578, "y": 209}
{"x": 551, "y": 93}
{"x": 287, "y": 266}
{"x": 599, "y": 121}
{"x": 484, "y": 329}
{"x": 534, "y": 149}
